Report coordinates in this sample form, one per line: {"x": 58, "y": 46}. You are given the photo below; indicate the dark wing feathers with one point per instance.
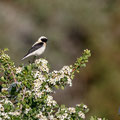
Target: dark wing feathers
{"x": 35, "y": 47}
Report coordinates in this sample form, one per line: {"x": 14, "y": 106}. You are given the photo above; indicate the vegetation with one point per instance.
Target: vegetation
{"x": 70, "y": 27}
{"x": 26, "y": 92}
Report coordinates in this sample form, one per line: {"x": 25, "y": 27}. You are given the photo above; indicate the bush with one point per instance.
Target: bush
{"x": 26, "y": 90}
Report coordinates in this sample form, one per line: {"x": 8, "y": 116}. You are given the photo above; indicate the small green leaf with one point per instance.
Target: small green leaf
{"x": 62, "y": 87}
{"x": 3, "y": 79}
{"x": 6, "y": 49}
{"x": 56, "y": 86}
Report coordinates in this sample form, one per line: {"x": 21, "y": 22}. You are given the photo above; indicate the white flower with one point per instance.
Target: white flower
{"x": 51, "y": 117}
{"x": 4, "y": 56}
{"x": 67, "y": 70}
{"x": 54, "y": 102}
{"x": 71, "y": 110}
{"x": 50, "y": 101}
{"x": 41, "y": 117}
{"x": 42, "y": 65}
{"x": 49, "y": 98}
{"x": 63, "y": 116}
{"x": 99, "y": 118}
{"x": 85, "y": 106}
{"x": 4, "y": 115}
{"x": 37, "y": 83}
{"x": 6, "y": 101}
{"x": 69, "y": 81}
{"x": 1, "y": 107}
{"x": 38, "y": 94}
{"x": 81, "y": 114}
{"x": 47, "y": 89}
{"x": 16, "y": 113}
{"x": 18, "y": 70}
{"x": 36, "y": 74}
{"x": 43, "y": 61}
{"x": 52, "y": 81}
{"x": 27, "y": 110}
{"x": 28, "y": 92}
{"x": 4, "y": 89}
{"x": 78, "y": 105}
{"x": 44, "y": 68}
{"x": 57, "y": 76}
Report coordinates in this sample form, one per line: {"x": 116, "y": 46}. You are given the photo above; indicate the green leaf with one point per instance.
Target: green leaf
{"x": 6, "y": 49}
{"x": 3, "y": 79}
{"x": 56, "y": 86}
{"x": 62, "y": 87}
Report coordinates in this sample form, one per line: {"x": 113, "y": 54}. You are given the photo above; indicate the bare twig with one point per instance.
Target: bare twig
{"x": 24, "y": 93}
{"x": 12, "y": 73}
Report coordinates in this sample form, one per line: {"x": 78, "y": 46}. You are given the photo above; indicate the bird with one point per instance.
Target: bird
{"x": 37, "y": 48}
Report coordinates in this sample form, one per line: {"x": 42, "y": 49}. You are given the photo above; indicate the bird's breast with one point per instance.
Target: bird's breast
{"x": 40, "y": 50}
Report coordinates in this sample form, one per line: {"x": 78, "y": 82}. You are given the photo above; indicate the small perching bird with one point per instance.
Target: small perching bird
{"x": 37, "y": 48}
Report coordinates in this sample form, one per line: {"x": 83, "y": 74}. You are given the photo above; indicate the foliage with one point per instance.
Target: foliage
{"x": 95, "y": 118}
{"x": 26, "y": 90}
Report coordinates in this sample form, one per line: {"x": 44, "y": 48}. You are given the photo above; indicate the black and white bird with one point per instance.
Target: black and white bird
{"x": 37, "y": 48}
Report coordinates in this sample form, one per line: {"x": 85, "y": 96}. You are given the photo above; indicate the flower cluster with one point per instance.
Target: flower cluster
{"x": 42, "y": 65}
{"x": 26, "y": 90}
{"x": 62, "y": 77}
{"x": 96, "y": 118}
{"x": 6, "y": 105}
{"x": 40, "y": 116}
{"x": 18, "y": 70}
{"x": 50, "y": 101}
{"x": 69, "y": 113}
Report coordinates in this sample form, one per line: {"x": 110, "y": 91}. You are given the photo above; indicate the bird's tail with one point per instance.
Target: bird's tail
{"x": 25, "y": 57}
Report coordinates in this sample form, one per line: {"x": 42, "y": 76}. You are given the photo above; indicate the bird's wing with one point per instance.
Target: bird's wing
{"x": 35, "y": 47}
{"x": 35, "y": 43}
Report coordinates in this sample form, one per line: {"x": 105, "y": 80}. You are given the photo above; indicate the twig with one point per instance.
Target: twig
{"x": 73, "y": 69}
{"x": 24, "y": 93}
{"x": 12, "y": 73}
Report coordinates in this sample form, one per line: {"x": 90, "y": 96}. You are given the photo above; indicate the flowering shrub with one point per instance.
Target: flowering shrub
{"x": 26, "y": 90}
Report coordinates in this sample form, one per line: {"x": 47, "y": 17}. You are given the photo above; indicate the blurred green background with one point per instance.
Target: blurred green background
{"x": 71, "y": 26}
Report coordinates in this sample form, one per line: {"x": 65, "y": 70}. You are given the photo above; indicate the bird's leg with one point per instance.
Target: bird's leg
{"x": 29, "y": 62}
{"x": 34, "y": 58}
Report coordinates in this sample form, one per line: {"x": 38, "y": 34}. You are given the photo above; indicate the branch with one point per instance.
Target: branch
{"x": 12, "y": 73}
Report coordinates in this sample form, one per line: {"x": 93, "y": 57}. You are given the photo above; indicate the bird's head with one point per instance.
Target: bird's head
{"x": 43, "y": 39}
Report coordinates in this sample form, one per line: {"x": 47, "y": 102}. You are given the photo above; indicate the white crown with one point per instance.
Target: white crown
{"x": 42, "y": 37}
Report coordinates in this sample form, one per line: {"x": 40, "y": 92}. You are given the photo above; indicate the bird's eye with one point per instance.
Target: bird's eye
{"x": 44, "y": 39}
